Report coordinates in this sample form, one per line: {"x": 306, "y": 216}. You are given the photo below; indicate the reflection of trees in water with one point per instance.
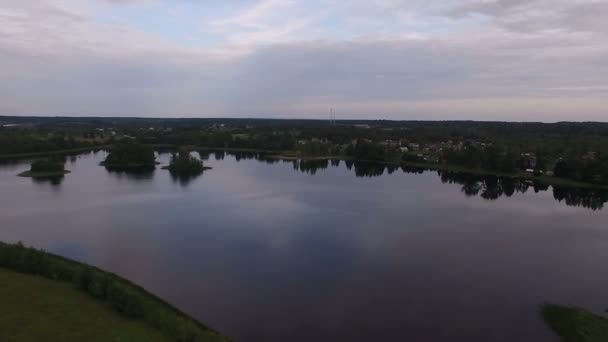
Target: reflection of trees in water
{"x": 72, "y": 158}
{"x": 243, "y": 155}
{"x": 413, "y": 169}
{"x": 368, "y": 169}
{"x": 54, "y": 181}
{"x": 391, "y": 169}
{"x": 311, "y": 166}
{"x": 488, "y": 187}
{"x": 581, "y": 197}
{"x": 136, "y": 174}
{"x": 492, "y": 187}
{"x": 183, "y": 179}
{"x": 247, "y": 155}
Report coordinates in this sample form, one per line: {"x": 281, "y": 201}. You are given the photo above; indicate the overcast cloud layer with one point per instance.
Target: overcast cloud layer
{"x": 540, "y": 60}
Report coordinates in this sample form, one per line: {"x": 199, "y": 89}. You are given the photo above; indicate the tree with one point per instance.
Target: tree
{"x": 183, "y": 163}
{"x": 130, "y": 155}
{"x": 562, "y": 169}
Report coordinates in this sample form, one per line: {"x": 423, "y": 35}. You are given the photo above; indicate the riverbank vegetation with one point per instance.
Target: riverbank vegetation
{"x": 575, "y": 324}
{"x": 130, "y": 155}
{"x": 124, "y": 297}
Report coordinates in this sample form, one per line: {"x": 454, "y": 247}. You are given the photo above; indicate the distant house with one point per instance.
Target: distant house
{"x": 364, "y": 126}
{"x": 414, "y": 147}
{"x": 404, "y": 149}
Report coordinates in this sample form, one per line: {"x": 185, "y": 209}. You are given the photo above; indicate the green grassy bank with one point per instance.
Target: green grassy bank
{"x": 58, "y": 285}
{"x": 575, "y": 325}
{"x": 39, "y": 309}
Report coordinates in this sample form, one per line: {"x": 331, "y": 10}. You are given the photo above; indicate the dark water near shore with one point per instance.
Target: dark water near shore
{"x": 315, "y": 251}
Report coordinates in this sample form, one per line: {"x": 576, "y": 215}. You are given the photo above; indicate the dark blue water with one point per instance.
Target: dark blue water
{"x": 281, "y": 252}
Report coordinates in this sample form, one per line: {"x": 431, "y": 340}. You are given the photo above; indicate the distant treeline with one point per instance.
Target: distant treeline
{"x": 122, "y": 295}
{"x": 18, "y": 141}
{"x": 576, "y": 151}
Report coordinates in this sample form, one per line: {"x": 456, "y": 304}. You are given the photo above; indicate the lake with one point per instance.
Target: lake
{"x": 266, "y": 250}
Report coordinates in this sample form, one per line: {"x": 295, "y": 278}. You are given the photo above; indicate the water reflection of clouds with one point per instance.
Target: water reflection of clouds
{"x": 304, "y": 257}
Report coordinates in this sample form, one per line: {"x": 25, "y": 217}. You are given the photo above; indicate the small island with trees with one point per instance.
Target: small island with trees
{"x": 130, "y": 156}
{"x": 185, "y": 165}
{"x": 46, "y": 168}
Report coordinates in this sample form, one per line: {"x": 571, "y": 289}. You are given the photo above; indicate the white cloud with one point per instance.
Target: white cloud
{"x": 402, "y": 59}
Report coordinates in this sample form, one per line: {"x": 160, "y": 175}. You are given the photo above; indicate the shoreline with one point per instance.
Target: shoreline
{"x": 548, "y": 180}
{"x": 293, "y": 155}
{"x": 48, "y": 153}
{"x": 124, "y": 296}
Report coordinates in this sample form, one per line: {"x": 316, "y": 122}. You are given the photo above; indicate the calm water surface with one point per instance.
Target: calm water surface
{"x": 263, "y": 252}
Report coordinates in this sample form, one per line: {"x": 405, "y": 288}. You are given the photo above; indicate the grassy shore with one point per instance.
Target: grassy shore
{"x": 575, "y": 325}
{"x": 38, "y": 309}
{"x": 125, "y": 299}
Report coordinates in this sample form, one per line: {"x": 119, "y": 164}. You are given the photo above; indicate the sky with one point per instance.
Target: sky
{"x": 507, "y": 60}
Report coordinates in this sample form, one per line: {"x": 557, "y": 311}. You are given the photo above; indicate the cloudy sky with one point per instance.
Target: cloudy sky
{"x": 540, "y": 60}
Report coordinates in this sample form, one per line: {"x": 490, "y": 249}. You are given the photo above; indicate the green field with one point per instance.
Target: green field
{"x": 38, "y": 309}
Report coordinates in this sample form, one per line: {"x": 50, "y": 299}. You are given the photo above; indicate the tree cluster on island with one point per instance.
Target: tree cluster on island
{"x": 49, "y": 167}
{"x": 183, "y": 163}
{"x": 130, "y": 155}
